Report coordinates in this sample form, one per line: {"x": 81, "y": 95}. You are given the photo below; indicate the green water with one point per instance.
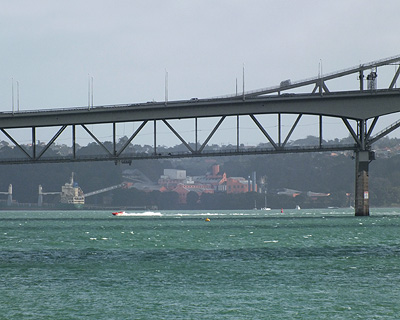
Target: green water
{"x": 306, "y": 264}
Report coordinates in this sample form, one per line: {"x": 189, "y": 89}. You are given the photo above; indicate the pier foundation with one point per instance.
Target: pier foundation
{"x": 363, "y": 158}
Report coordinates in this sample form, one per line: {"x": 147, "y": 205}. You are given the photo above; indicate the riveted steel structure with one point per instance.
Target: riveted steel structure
{"x": 363, "y": 107}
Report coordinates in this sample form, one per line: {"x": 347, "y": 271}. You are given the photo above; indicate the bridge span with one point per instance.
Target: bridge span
{"x": 359, "y": 110}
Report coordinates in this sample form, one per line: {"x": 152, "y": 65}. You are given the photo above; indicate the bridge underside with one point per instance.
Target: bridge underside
{"x": 277, "y": 140}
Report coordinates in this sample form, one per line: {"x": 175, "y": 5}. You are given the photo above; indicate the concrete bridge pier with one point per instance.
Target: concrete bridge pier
{"x": 363, "y": 158}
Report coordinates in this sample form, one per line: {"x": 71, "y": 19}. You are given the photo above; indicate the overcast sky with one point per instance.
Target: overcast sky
{"x": 50, "y": 47}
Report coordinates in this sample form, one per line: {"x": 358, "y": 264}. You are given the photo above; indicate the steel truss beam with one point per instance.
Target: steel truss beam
{"x": 211, "y": 134}
{"x": 120, "y": 154}
{"x": 276, "y": 147}
{"x": 97, "y": 140}
{"x": 131, "y": 138}
{"x": 178, "y": 136}
{"x": 16, "y": 143}
{"x": 396, "y": 76}
{"x": 385, "y": 132}
{"x": 50, "y": 142}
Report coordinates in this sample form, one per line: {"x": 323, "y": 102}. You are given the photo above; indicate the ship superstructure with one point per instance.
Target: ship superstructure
{"x": 71, "y": 193}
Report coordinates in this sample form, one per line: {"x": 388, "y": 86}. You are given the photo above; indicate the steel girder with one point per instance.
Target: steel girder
{"x": 118, "y": 152}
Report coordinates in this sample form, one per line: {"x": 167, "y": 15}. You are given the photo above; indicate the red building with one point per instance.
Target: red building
{"x": 177, "y": 181}
{"x": 184, "y": 189}
{"x": 238, "y": 185}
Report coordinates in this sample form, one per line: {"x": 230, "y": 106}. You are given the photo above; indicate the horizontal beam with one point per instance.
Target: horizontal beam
{"x": 204, "y": 153}
{"x": 352, "y": 105}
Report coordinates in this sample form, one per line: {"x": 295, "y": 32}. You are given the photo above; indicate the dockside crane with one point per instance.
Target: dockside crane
{"x": 9, "y": 193}
{"x": 41, "y": 194}
{"x": 121, "y": 185}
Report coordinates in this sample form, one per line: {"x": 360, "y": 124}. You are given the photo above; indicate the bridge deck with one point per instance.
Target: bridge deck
{"x": 352, "y": 105}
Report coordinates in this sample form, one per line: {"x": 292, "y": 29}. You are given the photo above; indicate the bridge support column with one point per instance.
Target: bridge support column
{"x": 363, "y": 158}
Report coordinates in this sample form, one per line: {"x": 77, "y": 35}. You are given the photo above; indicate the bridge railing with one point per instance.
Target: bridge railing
{"x": 308, "y": 81}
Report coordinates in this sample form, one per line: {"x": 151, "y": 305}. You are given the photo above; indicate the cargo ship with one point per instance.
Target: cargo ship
{"x": 72, "y": 195}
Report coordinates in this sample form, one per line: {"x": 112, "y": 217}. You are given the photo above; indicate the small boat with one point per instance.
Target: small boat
{"x": 137, "y": 214}
{"x": 265, "y": 204}
{"x": 298, "y": 207}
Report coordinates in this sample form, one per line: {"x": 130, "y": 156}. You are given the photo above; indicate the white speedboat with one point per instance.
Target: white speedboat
{"x": 265, "y": 204}
{"x": 138, "y": 214}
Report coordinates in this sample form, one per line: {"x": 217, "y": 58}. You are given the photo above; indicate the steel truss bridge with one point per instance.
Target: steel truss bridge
{"x": 359, "y": 110}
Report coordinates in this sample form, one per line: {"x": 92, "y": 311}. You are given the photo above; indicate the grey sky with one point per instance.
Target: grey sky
{"x": 50, "y": 47}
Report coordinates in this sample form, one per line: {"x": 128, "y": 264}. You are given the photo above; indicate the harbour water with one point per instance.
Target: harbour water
{"x": 300, "y": 264}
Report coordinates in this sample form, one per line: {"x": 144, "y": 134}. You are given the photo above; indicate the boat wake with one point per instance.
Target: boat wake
{"x": 137, "y": 214}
